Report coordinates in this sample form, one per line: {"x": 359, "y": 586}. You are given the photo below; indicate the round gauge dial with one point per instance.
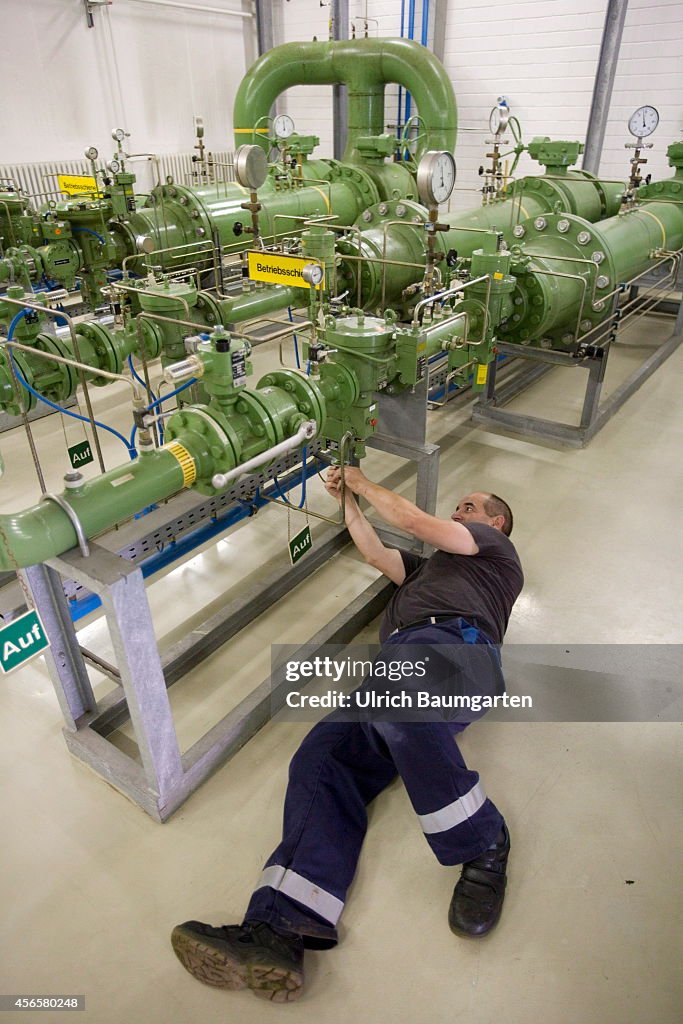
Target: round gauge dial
{"x": 251, "y": 167}
{"x": 643, "y": 121}
{"x": 436, "y": 177}
{"x": 118, "y": 134}
{"x": 91, "y": 153}
{"x": 313, "y": 274}
{"x": 114, "y": 166}
{"x": 498, "y": 120}
{"x": 283, "y": 126}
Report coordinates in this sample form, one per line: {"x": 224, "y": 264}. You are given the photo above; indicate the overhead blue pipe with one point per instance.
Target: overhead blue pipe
{"x": 425, "y": 22}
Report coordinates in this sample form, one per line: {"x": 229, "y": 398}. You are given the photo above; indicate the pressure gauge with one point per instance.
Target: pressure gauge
{"x": 114, "y": 166}
{"x": 251, "y": 167}
{"x": 118, "y": 134}
{"x": 283, "y": 126}
{"x": 313, "y": 274}
{"x": 498, "y": 119}
{"x": 436, "y": 177}
{"x": 91, "y": 153}
{"x": 643, "y": 122}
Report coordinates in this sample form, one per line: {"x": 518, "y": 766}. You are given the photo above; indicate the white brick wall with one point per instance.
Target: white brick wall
{"x": 146, "y": 69}
{"x": 542, "y": 55}
{"x": 650, "y": 70}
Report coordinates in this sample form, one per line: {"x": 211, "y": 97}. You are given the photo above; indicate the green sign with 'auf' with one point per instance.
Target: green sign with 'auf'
{"x": 300, "y": 544}
{"x": 21, "y": 640}
{"x": 80, "y": 454}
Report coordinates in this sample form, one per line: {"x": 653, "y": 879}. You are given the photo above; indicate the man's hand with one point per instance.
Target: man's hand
{"x": 333, "y": 482}
{"x": 355, "y": 479}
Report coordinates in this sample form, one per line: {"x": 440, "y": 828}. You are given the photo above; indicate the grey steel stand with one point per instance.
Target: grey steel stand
{"x": 595, "y": 414}
{"x": 404, "y": 421}
{"x": 165, "y": 777}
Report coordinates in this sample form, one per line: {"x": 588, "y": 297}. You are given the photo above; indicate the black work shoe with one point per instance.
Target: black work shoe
{"x": 242, "y": 956}
{"x": 478, "y": 897}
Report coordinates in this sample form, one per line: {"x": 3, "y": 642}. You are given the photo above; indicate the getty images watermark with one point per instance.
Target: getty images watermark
{"x": 463, "y": 682}
{"x": 371, "y": 697}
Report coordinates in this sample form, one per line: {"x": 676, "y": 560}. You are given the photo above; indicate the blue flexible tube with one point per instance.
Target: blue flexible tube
{"x": 296, "y": 340}
{"x": 164, "y": 398}
{"x": 89, "y": 231}
{"x": 53, "y": 405}
{"x": 139, "y": 379}
{"x": 303, "y": 481}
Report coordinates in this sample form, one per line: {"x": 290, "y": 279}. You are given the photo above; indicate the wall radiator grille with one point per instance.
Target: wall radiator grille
{"x": 37, "y": 179}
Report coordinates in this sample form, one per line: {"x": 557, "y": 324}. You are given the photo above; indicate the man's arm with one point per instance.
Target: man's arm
{"x": 443, "y": 534}
{"x": 375, "y": 553}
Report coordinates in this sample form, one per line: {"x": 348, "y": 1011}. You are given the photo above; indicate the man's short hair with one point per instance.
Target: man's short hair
{"x": 495, "y": 506}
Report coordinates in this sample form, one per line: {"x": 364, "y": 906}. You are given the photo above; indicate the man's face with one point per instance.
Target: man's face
{"x": 470, "y": 509}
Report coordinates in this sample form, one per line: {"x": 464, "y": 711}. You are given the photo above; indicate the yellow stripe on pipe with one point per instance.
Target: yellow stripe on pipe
{"x": 185, "y": 461}
{"x": 524, "y": 211}
{"x": 661, "y": 226}
{"x": 325, "y": 199}
{"x": 250, "y": 131}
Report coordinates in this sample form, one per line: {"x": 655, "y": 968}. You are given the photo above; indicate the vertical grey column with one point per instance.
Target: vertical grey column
{"x": 264, "y": 26}
{"x": 604, "y": 83}
{"x": 340, "y": 30}
{"x": 439, "y": 12}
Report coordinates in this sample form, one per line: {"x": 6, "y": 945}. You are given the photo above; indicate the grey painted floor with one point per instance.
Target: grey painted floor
{"x": 90, "y": 887}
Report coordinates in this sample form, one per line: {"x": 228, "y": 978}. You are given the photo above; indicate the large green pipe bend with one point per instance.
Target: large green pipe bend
{"x": 365, "y": 66}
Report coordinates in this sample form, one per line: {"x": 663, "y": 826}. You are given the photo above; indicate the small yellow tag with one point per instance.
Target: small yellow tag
{"x": 482, "y": 373}
{"x": 275, "y": 269}
{"x": 498, "y": 276}
{"x": 77, "y": 185}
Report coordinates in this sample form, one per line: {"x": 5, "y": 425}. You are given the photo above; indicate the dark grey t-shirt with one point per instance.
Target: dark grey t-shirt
{"x": 481, "y": 588}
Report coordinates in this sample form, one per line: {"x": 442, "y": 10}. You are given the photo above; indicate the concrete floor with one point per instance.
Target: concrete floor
{"x": 91, "y": 887}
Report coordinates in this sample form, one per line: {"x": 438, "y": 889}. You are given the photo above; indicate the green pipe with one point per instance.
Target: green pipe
{"x": 43, "y": 531}
{"x": 180, "y": 216}
{"x": 260, "y": 302}
{"x": 365, "y": 66}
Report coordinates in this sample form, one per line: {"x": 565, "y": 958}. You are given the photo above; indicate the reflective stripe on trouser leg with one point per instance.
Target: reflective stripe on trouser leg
{"x": 303, "y": 891}
{"x": 333, "y": 775}
{"x": 455, "y": 813}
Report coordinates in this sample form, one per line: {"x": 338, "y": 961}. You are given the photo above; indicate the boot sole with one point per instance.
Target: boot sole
{"x": 223, "y": 969}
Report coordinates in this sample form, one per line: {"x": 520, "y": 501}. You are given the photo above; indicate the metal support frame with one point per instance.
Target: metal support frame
{"x": 340, "y": 103}
{"x": 594, "y": 414}
{"x": 165, "y": 777}
{"x": 404, "y": 421}
{"x": 604, "y": 83}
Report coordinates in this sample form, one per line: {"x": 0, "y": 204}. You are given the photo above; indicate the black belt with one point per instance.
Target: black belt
{"x": 432, "y": 620}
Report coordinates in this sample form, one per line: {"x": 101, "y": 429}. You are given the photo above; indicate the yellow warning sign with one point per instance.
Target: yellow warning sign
{"x": 77, "y": 184}
{"x": 268, "y": 266}
{"x": 482, "y": 373}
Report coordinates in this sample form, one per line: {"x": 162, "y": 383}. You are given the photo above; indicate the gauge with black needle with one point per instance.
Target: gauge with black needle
{"x": 643, "y": 121}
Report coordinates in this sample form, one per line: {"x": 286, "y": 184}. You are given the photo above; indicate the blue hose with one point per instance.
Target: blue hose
{"x": 303, "y": 482}
{"x": 89, "y": 231}
{"x": 53, "y": 405}
{"x": 139, "y": 379}
{"x": 296, "y": 340}
{"x": 164, "y": 398}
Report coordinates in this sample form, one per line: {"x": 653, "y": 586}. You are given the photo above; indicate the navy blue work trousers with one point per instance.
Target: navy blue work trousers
{"x": 340, "y": 767}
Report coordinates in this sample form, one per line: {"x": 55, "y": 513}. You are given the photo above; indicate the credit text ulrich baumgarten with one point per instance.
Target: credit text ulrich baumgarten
{"x": 393, "y": 671}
